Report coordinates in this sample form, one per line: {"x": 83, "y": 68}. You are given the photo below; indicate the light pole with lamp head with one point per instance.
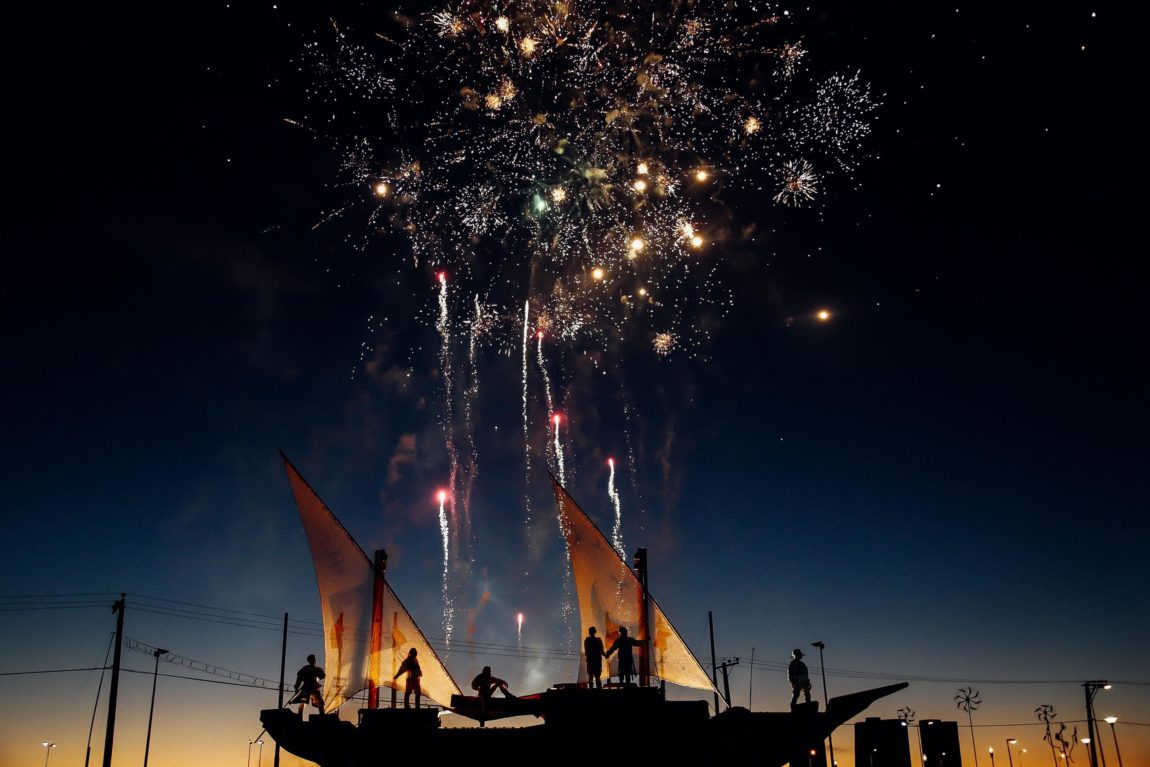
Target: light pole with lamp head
{"x": 155, "y": 673}
{"x": 1010, "y": 742}
{"x": 260, "y": 756}
{"x": 826, "y": 700}
{"x": 48, "y": 746}
{"x": 1113, "y": 720}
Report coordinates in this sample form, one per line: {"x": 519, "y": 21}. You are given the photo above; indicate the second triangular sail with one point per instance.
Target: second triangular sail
{"x": 609, "y": 597}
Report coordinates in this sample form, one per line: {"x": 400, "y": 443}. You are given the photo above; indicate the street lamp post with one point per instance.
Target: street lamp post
{"x": 248, "y": 763}
{"x": 260, "y": 756}
{"x": 991, "y": 750}
{"x": 48, "y": 746}
{"x": 1113, "y": 720}
{"x": 155, "y": 674}
{"x": 1010, "y": 742}
{"x": 826, "y": 700}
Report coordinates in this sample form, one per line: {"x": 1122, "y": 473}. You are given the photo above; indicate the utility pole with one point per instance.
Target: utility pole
{"x": 725, "y": 665}
{"x": 714, "y": 668}
{"x": 114, "y": 687}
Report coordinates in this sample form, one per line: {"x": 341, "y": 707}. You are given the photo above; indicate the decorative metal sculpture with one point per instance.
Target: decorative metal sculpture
{"x": 968, "y": 700}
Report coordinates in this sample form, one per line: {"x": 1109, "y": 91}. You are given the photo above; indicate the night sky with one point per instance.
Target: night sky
{"x": 944, "y": 482}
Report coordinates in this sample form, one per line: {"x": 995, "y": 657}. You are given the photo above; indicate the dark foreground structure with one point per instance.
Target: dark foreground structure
{"x": 641, "y": 722}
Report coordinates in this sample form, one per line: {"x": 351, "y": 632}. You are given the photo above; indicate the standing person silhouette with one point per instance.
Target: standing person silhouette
{"x": 593, "y": 650}
{"x": 799, "y": 678}
{"x": 307, "y": 686}
{"x": 414, "y": 672}
{"x": 623, "y": 644}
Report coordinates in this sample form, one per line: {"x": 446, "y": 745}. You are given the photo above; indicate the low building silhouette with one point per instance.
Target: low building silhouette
{"x": 939, "y": 743}
{"x": 881, "y": 743}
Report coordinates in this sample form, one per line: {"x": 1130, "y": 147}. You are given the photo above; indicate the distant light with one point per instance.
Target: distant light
{"x": 823, "y": 315}
{"x": 442, "y": 496}
{"x": 1111, "y": 719}
{"x": 991, "y": 749}
{"x": 597, "y": 273}
{"x": 701, "y": 175}
{"x": 381, "y": 189}
{"x": 1012, "y": 740}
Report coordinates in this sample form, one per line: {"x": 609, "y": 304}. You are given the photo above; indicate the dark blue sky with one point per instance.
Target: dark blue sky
{"x": 945, "y": 481}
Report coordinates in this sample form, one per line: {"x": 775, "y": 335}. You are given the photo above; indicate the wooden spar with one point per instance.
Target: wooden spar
{"x": 644, "y": 618}
{"x": 376, "y": 649}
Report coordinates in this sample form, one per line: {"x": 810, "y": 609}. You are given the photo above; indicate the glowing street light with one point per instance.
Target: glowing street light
{"x": 260, "y": 756}
{"x": 826, "y": 700}
{"x": 991, "y": 750}
{"x": 48, "y": 746}
{"x": 1113, "y": 720}
{"x": 1009, "y": 743}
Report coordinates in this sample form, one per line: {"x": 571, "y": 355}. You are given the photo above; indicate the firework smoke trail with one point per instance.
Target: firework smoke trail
{"x": 448, "y": 602}
{"x": 613, "y": 494}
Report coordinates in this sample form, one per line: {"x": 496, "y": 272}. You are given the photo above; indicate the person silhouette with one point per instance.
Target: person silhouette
{"x": 799, "y": 678}
{"x": 623, "y": 645}
{"x": 593, "y": 650}
{"x": 411, "y": 666}
{"x": 485, "y": 684}
{"x": 307, "y": 686}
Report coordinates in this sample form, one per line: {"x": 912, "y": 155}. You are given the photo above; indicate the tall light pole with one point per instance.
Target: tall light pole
{"x": 826, "y": 700}
{"x": 1010, "y": 742}
{"x": 1113, "y": 720}
{"x": 991, "y": 750}
{"x": 48, "y": 746}
{"x": 1092, "y": 687}
{"x": 260, "y": 757}
{"x": 155, "y": 673}
{"x": 248, "y": 763}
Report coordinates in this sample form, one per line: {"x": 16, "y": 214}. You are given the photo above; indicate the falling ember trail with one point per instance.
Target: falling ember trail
{"x": 559, "y": 451}
{"x": 613, "y": 494}
{"x": 448, "y": 609}
{"x": 526, "y": 424}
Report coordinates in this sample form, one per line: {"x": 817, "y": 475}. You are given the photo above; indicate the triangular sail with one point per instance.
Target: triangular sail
{"x": 609, "y": 597}
{"x": 346, "y": 581}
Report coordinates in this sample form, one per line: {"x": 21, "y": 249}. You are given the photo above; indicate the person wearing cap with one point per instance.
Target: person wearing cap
{"x": 593, "y": 651}
{"x": 307, "y": 686}
{"x": 799, "y": 677}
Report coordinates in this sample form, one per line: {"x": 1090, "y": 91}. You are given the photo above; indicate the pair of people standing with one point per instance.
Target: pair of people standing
{"x": 593, "y": 651}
